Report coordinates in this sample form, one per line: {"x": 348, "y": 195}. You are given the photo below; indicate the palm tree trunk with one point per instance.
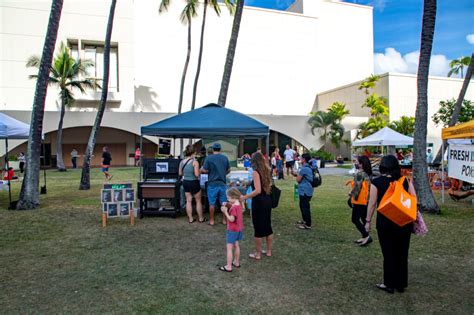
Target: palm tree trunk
{"x": 231, "y": 53}
{"x": 85, "y": 176}
{"x": 201, "y": 45}
{"x": 59, "y": 138}
{"x": 457, "y": 107}
{"x": 426, "y": 201}
{"x": 185, "y": 70}
{"x": 29, "y": 195}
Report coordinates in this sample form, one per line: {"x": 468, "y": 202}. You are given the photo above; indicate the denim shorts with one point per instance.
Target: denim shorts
{"x": 232, "y": 237}
{"x": 214, "y": 192}
{"x": 105, "y": 169}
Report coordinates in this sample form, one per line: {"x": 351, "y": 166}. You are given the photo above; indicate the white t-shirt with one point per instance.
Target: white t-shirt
{"x": 289, "y": 155}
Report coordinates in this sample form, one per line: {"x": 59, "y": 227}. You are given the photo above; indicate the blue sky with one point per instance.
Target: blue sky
{"x": 397, "y": 25}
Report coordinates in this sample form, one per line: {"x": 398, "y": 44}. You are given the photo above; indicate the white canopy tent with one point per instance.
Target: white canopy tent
{"x": 10, "y": 128}
{"x": 384, "y": 137}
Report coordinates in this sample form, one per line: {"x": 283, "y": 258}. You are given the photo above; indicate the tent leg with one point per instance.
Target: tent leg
{"x": 442, "y": 172}
{"x": 7, "y": 166}
{"x": 141, "y": 156}
{"x": 181, "y": 143}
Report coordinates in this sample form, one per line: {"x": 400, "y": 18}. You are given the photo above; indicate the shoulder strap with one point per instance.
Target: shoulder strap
{"x": 182, "y": 168}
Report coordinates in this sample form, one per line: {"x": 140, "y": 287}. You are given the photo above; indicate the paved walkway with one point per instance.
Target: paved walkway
{"x": 337, "y": 171}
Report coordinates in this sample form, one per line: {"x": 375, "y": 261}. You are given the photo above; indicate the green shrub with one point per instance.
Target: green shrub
{"x": 323, "y": 155}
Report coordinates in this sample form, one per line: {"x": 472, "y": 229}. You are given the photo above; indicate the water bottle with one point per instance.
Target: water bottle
{"x": 295, "y": 192}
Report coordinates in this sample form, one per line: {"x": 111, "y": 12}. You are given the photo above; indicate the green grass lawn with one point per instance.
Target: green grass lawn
{"x": 59, "y": 259}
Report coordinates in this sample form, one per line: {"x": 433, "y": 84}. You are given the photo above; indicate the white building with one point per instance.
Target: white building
{"x": 283, "y": 60}
{"x": 401, "y": 92}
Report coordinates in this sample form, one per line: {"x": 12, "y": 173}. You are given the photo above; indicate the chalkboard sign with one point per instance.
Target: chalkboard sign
{"x": 117, "y": 201}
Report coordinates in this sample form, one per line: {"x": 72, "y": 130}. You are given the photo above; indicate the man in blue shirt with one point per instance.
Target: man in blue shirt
{"x": 217, "y": 166}
{"x": 305, "y": 190}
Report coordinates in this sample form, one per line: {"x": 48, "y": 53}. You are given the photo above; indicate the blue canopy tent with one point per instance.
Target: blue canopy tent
{"x": 210, "y": 120}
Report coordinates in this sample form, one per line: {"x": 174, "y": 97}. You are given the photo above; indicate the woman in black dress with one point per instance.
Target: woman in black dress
{"x": 261, "y": 205}
{"x": 394, "y": 239}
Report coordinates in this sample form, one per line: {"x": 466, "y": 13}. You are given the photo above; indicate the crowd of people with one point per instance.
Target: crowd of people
{"x": 232, "y": 200}
{"x": 365, "y": 195}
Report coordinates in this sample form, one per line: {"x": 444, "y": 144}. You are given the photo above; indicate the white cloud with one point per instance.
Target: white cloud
{"x": 393, "y": 61}
{"x": 470, "y": 38}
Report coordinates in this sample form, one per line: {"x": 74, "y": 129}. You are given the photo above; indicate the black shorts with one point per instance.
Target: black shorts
{"x": 191, "y": 186}
{"x": 290, "y": 164}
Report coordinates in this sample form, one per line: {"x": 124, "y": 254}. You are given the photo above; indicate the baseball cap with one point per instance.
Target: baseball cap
{"x": 216, "y": 146}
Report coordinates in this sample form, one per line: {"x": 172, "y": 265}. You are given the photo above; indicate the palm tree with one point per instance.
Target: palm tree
{"x": 457, "y": 65}
{"x": 214, "y": 5}
{"x": 231, "y": 53}
{"x": 405, "y": 125}
{"x": 458, "y": 105}
{"x": 323, "y": 121}
{"x": 369, "y": 83}
{"x": 372, "y": 125}
{"x": 85, "y": 175}
{"x": 189, "y": 11}
{"x": 339, "y": 110}
{"x": 29, "y": 195}
{"x": 65, "y": 73}
{"x": 426, "y": 201}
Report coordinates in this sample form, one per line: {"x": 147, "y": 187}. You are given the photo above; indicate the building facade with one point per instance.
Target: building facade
{"x": 283, "y": 59}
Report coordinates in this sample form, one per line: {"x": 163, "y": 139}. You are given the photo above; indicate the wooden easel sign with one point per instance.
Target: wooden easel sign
{"x": 117, "y": 202}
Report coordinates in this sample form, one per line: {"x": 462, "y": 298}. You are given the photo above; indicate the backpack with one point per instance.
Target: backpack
{"x": 317, "y": 179}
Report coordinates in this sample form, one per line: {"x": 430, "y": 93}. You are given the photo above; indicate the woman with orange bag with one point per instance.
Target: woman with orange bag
{"x": 394, "y": 239}
{"x": 360, "y": 197}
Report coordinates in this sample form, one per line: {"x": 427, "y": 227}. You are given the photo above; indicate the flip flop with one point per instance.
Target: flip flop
{"x": 194, "y": 220}
{"x": 236, "y": 266}
{"x": 254, "y": 256}
{"x": 203, "y": 220}
{"x": 223, "y": 268}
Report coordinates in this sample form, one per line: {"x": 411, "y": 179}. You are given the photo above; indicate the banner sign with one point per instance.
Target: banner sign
{"x": 461, "y": 162}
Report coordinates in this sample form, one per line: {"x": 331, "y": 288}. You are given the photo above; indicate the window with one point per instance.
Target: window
{"x": 95, "y": 52}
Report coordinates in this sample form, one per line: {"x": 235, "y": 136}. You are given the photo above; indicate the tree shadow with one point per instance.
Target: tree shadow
{"x": 145, "y": 99}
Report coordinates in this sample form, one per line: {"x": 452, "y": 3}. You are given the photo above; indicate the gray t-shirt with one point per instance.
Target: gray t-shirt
{"x": 188, "y": 170}
{"x": 217, "y": 165}
{"x": 305, "y": 187}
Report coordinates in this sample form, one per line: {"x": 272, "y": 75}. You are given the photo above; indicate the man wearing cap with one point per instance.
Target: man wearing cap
{"x": 217, "y": 166}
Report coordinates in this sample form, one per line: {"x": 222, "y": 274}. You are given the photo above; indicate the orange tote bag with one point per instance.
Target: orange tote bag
{"x": 363, "y": 194}
{"x": 398, "y": 205}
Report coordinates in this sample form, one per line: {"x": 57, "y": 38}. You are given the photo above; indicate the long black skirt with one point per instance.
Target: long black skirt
{"x": 262, "y": 215}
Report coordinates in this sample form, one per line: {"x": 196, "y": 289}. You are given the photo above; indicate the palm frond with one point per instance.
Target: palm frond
{"x": 214, "y": 4}
{"x": 189, "y": 11}
{"x": 164, "y": 5}
{"x": 33, "y": 61}
{"x": 230, "y": 5}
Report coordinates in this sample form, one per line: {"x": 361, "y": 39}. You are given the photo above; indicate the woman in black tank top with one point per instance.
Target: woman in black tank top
{"x": 394, "y": 239}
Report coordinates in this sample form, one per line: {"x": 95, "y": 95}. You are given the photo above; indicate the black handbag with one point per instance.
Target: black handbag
{"x": 275, "y": 194}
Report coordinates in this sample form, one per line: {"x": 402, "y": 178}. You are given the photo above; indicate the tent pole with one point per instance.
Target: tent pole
{"x": 44, "y": 163}
{"x": 442, "y": 172}
{"x": 267, "y": 145}
{"x": 141, "y": 154}
{"x": 7, "y": 166}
